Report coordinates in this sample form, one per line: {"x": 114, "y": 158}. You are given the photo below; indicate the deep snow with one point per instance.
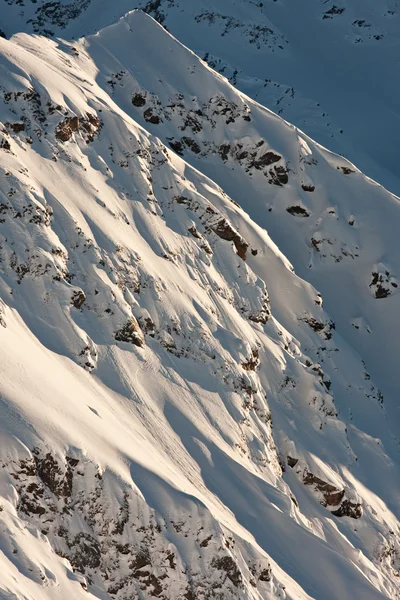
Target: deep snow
{"x": 180, "y": 415}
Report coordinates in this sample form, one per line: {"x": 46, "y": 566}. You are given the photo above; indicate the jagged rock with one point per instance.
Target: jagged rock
{"x": 16, "y": 127}
{"x": 86, "y": 552}
{"x": 194, "y": 232}
{"x": 150, "y": 117}
{"x": 224, "y": 150}
{"x": 78, "y": 298}
{"x": 333, "y": 11}
{"x": 89, "y": 125}
{"x": 138, "y": 100}
{"x": 265, "y": 575}
{"x": 278, "y": 176}
{"x": 225, "y": 231}
{"x": 383, "y": 284}
{"x": 298, "y": 211}
{"x": 349, "y": 509}
{"x": 292, "y": 462}
{"x": 126, "y": 551}
{"x": 253, "y": 362}
{"x": 176, "y": 146}
{"x": 323, "y": 328}
{"x": 5, "y": 144}
{"x": 227, "y": 564}
{"x": 65, "y": 129}
{"x": 59, "y": 481}
{"x": 191, "y": 144}
{"x": 331, "y": 495}
{"x": 346, "y": 170}
{"x": 265, "y": 160}
{"x": 130, "y": 333}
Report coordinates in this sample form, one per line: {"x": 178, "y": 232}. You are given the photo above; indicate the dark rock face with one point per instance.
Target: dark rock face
{"x": 5, "y": 144}
{"x": 51, "y": 474}
{"x": 383, "y": 284}
{"x": 153, "y": 8}
{"x": 91, "y": 125}
{"x": 88, "y": 126}
{"x": 333, "y": 11}
{"x": 278, "y": 176}
{"x": 224, "y": 150}
{"x": 130, "y": 333}
{"x": 78, "y": 298}
{"x": 263, "y": 315}
{"x": 65, "y": 129}
{"x": 253, "y": 362}
{"x": 217, "y": 110}
{"x": 119, "y": 542}
{"x": 176, "y": 146}
{"x": 346, "y": 170}
{"x": 250, "y": 158}
{"x": 16, "y": 127}
{"x": 266, "y": 159}
{"x": 41, "y": 473}
{"x": 228, "y": 565}
{"x": 57, "y": 14}
{"x": 222, "y": 227}
{"x": 349, "y": 509}
{"x": 298, "y": 211}
{"x": 150, "y": 117}
{"x": 324, "y": 328}
{"x": 265, "y": 575}
{"x": 139, "y": 100}
{"x": 381, "y": 292}
{"x": 225, "y": 231}
{"x": 192, "y": 145}
{"x": 292, "y": 462}
{"x": 86, "y": 552}
{"x": 332, "y": 496}
{"x": 194, "y": 232}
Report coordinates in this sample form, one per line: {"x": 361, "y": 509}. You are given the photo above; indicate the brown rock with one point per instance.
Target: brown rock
{"x": 225, "y": 231}
{"x": 348, "y": 509}
{"x": 78, "y": 298}
{"x": 332, "y": 496}
{"x": 130, "y": 333}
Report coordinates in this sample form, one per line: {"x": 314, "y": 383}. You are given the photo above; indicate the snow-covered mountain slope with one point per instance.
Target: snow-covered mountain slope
{"x": 180, "y": 416}
{"x": 328, "y": 67}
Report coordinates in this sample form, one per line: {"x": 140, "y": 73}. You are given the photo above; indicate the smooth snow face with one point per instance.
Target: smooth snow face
{"x": 327, "y": 67}
{"x": 180, "y": 417}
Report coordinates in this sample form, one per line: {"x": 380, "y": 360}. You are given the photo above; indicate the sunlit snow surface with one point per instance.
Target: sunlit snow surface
{"x": 180, "y": 416}
{"x": 328, "y": 67}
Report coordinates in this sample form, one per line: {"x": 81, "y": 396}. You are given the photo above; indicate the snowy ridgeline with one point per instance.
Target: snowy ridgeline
{"x": 326, "y": 66}
{"x": 180, "y": 416}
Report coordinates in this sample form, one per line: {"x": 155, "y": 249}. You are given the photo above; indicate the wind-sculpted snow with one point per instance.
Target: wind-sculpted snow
{"x": 180, "y": 417}
{"x": 327, "y": 66}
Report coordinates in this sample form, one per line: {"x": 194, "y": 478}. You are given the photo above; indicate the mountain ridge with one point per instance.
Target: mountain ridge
{"x": 178, "y": 409}
{"x": 289, "y": 56}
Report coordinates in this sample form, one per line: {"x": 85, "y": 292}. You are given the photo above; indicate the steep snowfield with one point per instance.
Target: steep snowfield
{"x": 329, "y": 67}
{"x": 180, "y": 417}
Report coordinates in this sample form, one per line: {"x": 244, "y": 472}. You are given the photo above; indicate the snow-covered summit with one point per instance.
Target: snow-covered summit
{"x": 180, "y": 417}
